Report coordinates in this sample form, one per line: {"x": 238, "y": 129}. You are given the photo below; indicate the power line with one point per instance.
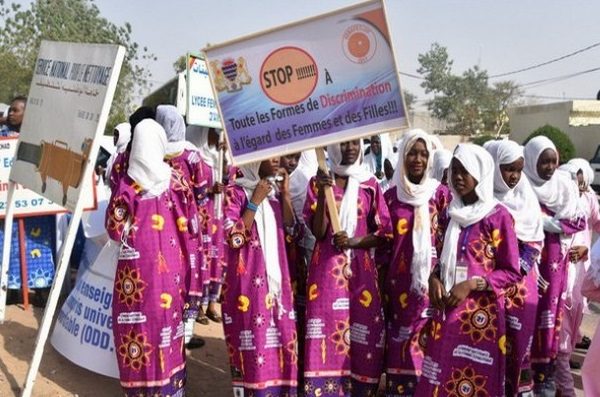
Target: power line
{"x": 538, "y": 65}
{"x": 414, "y": 76}
{"x": 556, "y": 79}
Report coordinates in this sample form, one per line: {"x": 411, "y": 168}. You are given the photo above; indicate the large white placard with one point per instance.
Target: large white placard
{"x": 68, "y": 98}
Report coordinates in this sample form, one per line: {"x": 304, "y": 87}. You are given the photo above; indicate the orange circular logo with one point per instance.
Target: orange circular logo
{"x": 359, "y": 43}
{"x": 288, "y": 75}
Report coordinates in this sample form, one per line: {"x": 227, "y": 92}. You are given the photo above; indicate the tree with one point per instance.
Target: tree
{"x": 409, "y": 100}
{"x": 180, "y": 64}
{"x": 467, "y": 102}
{"x": 66, "y": 20}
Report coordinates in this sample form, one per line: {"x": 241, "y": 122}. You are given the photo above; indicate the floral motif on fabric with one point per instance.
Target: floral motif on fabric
{"x": 341, "y": 338}
{"x": 479, "y": 318}
{"x": 466, "y": 382}
{"x": 135, "y": 350}
{"x": 129, "y": 286}
{"x": 484, "y": 249}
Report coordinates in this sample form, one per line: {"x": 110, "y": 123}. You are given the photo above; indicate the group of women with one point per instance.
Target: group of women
{"x": 447, "y": 275}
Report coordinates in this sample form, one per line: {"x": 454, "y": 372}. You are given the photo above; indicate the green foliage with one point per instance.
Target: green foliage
{"x": 66, "y": 20}
{"x": 467, "y": 102}
{"x": 566, "y": 149}
{"x": 409, "y": 100}
{"x": 180, "y": 65}
{"x": 481, "y": 139}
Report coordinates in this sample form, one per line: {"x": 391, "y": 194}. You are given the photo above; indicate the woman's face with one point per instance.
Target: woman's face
{"x": 375, "y": 145}
{"x": 290, "y": 162}
{"x": 547, "y": 163}
{"x": 581, "y": 181}
{"x": 416, "y": 160}
{"x": 115, "y": 137}
{"x": 511, "y": 173}
{"x": 350, "y": 151}
{"x": 461, "y": 180}
{"x": 268, "y": 167}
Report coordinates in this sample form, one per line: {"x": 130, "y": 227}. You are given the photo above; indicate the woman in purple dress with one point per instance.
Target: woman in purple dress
{"x": 344, "y": 316}
{"x": 466, "y": 347}
{"x": 184, "y": 160}
{"x": 514, "y": 191}
{"x": 258, "y": 309}
{"x": 149, "y": 215}
{"x": 558, "y": 197}
{"x": 209, "y": 190}
{"x": 417, "y": 205}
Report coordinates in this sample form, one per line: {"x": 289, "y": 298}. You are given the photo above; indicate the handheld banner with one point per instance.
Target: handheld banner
{"x": 324, "y": 80}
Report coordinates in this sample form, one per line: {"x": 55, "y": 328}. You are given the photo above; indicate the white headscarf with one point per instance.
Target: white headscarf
{"x": 306, "y": 169}
{"x": 418, "y": 196}
{"x": 356, "y": 174}
{"x": 521, "y": 201}
{"x": 387, "y": 152}
{"x": 124, "y": 130}
{"x": 441, "y": 162}
{"x": 266, "y": 225}
{"x": 210, "y": 155}
{"x": 586, "y": 169}
{"x": 559, "y": 194}
{"x": 146, "y": 165}
{"x": 480, "y": 165}
{"x": 174, "y": 125}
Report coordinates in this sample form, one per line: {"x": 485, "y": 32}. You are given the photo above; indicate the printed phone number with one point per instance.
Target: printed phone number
{"x": 31, "y": 203}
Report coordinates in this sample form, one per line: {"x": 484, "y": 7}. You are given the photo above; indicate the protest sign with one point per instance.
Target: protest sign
{"x": 67, "y": 96}
{"x": 320, "y": 81}
{"x": 83, "y": 330}
{"x": 201, "y": 105}
{"x": 28, "y": 203}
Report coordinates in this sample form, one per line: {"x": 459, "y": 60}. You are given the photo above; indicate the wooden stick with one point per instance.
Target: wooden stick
{"x": 334, "y": 217}
{"x": 219, "y": 197}
{"x": 23, "y": 257}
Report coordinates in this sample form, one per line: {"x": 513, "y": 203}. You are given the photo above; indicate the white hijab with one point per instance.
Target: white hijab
{"x": 356, "y": 174}
{"x": 124, "y": 130}
{"x": 266, "y": 225}
{"x": 480, "y": 165}
{"x": 306, "y": 169}
{"x": 559, "y": 194}
{"x": 586, "y": 169}
{"x": 387, "y": 152}
{"x": 198, "y": 136}
{"x": 174, "y": 125}
{"x": 146, "y": 165}
{"x": 441, "y": 162}
{"x": 418, "y": 196}
{"x": 521, "y": 201}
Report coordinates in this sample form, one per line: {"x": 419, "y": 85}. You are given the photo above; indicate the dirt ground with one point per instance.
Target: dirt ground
{"x": 208, "y": 368}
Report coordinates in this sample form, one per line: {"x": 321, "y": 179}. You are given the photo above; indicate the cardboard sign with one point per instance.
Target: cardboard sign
{"x": 324, "y": 80}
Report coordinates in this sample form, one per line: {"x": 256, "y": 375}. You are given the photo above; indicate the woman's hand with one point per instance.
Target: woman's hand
{"x": 437, "y": 292}
{"x": 323, "y": 179}
{"x": 217, "y": 188}
{"x": 261, "y": 191}
{"x": 578, "y": 253}
{"x": 341, "y": 240}
{"x": 459, "y": 292}
{"x": 284, "y": 185}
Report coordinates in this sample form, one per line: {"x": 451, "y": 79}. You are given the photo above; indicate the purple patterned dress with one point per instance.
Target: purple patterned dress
{"x": 521, "y": 307}
{"x": 185, "y": 166}
{"x": 407, "y": 312}
{"x": 345, "y": 335}
{"x": 466, "y": 346}
{"x": 260, "y": 333}
{"x": 553, "y": 269}
{"x": 149, "y": 290}
{"x": 213, "y": 241}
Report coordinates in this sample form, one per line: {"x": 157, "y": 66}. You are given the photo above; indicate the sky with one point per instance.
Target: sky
{"x": 499, "y": 36}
